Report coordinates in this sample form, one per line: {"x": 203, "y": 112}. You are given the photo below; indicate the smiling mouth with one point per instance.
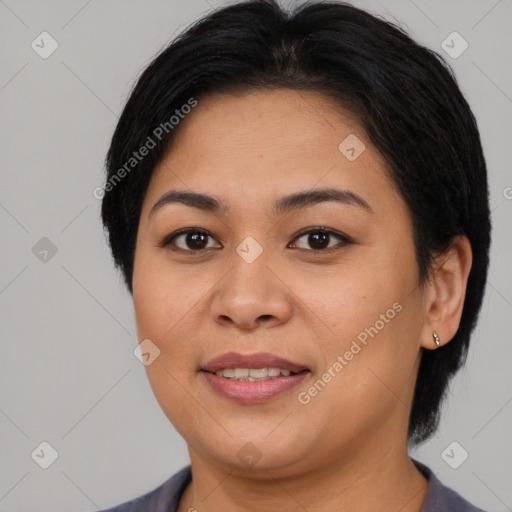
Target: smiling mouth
{"x": 255, "y": 374}
{"x": 237, "y": 385}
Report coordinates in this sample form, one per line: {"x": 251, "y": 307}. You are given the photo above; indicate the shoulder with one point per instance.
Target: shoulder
{"x": 164, "y": 498}
{"x": 441, "y": 498}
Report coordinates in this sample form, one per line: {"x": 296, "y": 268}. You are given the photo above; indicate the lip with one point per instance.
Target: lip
{"x": 252, "y": 392}
{"x": 255, "y": 392}
{"x": 258, "y": 360}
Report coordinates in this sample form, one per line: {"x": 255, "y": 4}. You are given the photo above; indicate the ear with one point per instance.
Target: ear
{"x": 446, "y": 291}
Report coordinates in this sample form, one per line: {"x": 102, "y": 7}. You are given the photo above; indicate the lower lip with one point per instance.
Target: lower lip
{"x": 253, "y": 392}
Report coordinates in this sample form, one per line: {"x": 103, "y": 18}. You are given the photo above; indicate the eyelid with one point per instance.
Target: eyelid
{"x": 322, "y": 229}
{"x": 169, "y": 239}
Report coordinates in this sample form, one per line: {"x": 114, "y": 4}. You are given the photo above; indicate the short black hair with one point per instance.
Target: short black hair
{"x": 403, "y": 94}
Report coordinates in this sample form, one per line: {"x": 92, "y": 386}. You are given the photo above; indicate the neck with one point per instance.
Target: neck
{"x": 367, "y": 482}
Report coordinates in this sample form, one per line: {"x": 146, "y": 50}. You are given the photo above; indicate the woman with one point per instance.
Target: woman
{"x": 298, "y": 204}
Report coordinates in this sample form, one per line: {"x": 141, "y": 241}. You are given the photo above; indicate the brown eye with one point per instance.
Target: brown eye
{"x": 319, "y": 239}
{"x": 195, "y": 241}
{"x": 189, "y": 240}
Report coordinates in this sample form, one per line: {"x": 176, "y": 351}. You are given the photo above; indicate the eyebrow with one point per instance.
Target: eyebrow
{"x": 283, "y": 205}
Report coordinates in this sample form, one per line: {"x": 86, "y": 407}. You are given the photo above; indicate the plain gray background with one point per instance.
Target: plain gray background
{"x": 67, "y": 369}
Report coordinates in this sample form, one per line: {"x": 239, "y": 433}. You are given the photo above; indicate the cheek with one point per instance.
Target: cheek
{"x": 162, "y": 296}
{"x": 367, "y": 370}
{"x": 347, "y": 297}
{"x": 373, "y": 323}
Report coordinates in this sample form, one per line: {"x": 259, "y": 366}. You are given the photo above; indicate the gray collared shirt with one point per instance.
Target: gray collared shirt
{"x": 165, "y": 498}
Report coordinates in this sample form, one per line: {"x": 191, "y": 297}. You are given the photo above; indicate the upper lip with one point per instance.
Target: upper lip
{"x": 259, "y": 360}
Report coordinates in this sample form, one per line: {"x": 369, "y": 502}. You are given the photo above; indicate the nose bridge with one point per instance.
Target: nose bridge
{"x": 250, "y": 292}
{"x": 249, "y": 270}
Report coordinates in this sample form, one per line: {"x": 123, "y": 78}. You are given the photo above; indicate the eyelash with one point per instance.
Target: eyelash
{"x": 168, "y": 240}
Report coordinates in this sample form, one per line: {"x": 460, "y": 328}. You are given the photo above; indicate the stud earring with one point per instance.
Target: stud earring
{"x": 436, "y": 339}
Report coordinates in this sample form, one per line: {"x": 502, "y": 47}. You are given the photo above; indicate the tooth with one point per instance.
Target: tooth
{"x": 241, "y": 373}
{"x": 258, "y": 372}
{"x": 252, "y": 374}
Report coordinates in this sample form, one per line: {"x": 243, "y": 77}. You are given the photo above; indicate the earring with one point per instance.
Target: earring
{"x": 436, "y": 339}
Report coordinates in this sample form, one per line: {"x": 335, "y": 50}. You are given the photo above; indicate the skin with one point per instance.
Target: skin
{"x": 347, "y": 448}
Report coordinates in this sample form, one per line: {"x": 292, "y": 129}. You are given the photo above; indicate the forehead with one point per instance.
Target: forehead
{"x": 281, "y": 122}
{"x": 250, "y": 146}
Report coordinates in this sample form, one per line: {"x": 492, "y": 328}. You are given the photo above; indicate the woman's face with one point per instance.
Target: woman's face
{"x": 264, "y": 279}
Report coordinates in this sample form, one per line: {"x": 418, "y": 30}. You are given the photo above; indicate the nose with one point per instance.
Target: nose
{"x": 251, "y": 295}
